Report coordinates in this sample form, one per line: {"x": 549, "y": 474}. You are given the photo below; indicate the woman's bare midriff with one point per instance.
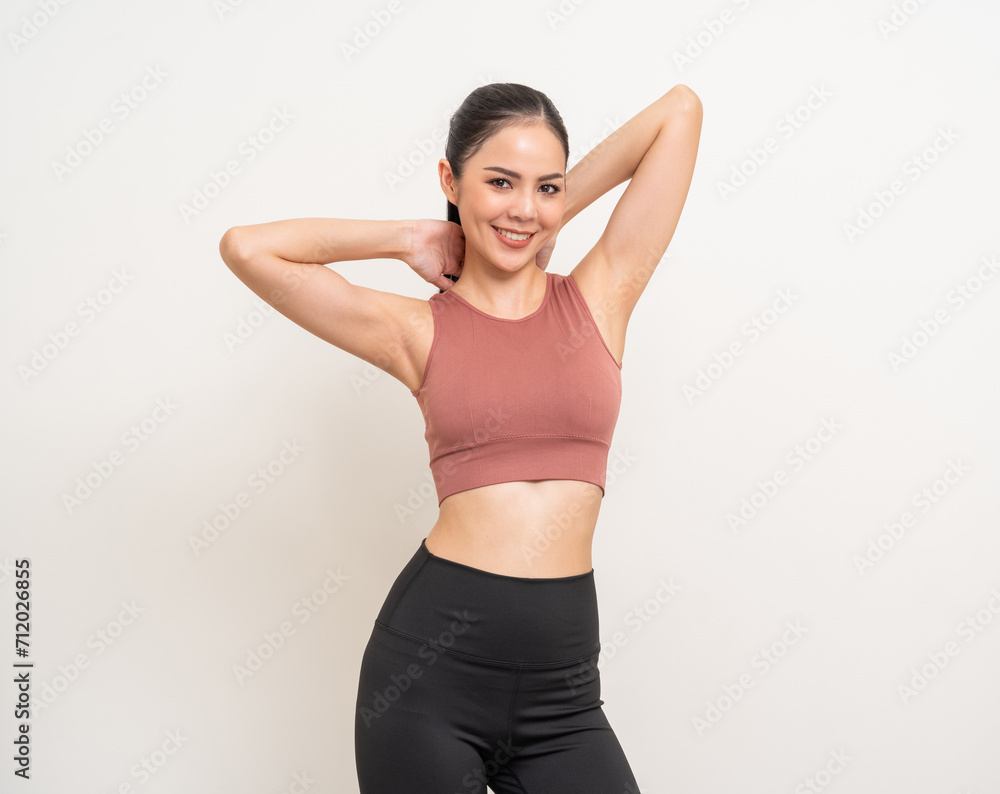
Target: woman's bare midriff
{"x": 529, "y": 528}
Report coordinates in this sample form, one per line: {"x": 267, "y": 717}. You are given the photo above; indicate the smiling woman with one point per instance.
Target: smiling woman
{"x": 482, "y": 664}
{"x": 515, "y": 211}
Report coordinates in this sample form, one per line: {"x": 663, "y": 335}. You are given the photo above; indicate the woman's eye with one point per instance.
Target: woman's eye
{"x": 555, "y": 188}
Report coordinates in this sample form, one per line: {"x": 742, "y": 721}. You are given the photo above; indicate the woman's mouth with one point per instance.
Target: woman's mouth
{"x": 513, "y": 239}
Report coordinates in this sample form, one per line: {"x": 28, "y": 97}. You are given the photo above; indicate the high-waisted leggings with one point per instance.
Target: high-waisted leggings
{"x": 472, "y": 678}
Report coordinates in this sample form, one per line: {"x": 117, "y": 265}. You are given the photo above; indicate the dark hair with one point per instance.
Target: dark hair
{"x": 489, "y": 109}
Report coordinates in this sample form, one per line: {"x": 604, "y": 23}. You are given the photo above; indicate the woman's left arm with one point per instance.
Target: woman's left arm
{"x": 656, "y": 149}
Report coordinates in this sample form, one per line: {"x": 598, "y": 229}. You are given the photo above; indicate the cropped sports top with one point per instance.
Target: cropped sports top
{"x": 534, "y": 398}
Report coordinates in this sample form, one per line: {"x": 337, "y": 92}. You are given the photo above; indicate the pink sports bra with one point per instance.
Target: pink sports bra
{"x": 536, "y": 398}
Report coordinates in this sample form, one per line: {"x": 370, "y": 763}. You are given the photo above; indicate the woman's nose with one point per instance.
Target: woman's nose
{"x": 524, "y": 207}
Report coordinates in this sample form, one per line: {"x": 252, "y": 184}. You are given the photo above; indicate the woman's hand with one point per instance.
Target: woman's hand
{"x": 437, "y": 249}
{"x": 545, "y": 253}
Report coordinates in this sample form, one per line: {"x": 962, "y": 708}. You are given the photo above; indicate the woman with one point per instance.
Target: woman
{"x": 482, "y": 664}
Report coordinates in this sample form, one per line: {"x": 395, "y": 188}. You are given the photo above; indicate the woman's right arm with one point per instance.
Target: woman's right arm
{"x": 283, "y": 263}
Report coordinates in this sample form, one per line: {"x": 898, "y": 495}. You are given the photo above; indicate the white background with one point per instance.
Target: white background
{"x": 356, "y": 497}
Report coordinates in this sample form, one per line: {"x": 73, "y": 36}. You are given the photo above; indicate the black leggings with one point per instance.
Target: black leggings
{"x": 473, "y": 678}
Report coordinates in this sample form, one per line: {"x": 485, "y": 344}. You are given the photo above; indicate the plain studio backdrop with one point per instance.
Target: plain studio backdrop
{"x": 797, "y": 556}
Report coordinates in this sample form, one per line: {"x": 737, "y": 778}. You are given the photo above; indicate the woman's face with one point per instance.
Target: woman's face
{"x": 514, "y": 182}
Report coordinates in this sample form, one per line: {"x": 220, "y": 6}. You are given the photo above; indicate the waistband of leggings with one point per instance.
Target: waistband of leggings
{"x": 423, "y": 551}
{"x": 491, "y": 617}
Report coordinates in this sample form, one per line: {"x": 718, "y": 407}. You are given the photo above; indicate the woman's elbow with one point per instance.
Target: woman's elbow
{"x": 232, "y": 246}
{"x": 683, "y": 97}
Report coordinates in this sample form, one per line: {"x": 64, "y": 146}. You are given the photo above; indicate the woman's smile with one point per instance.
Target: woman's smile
{"x": 512, "y": 239}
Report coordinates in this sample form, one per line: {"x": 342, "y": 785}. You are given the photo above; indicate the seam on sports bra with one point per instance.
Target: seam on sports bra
{"x": 576, "y": 288}
{"x": 519, "y": 435}
{"x": 545, "y": 302}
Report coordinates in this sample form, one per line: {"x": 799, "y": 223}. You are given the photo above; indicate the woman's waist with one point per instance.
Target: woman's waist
{"x": 523, "y": 529}
{"x": 492, "y": 617}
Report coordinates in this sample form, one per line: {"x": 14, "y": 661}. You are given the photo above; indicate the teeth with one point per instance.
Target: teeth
{"x": 511, "y": 235}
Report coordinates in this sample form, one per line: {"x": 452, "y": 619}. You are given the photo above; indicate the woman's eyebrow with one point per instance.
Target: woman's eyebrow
{"x": 515, "y": 175}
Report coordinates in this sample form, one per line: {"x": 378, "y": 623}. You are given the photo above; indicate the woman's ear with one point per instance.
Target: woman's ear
{"x": 447, "y": 177}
